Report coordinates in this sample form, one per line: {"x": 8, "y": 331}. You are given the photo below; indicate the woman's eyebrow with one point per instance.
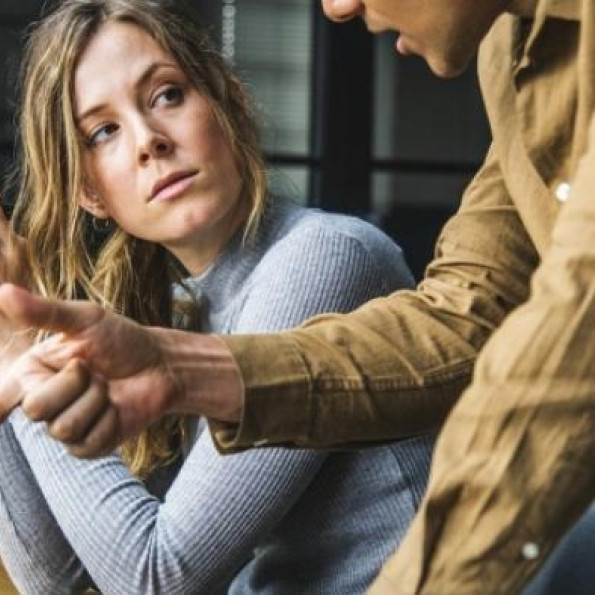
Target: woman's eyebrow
{"x": 142, "y": 80}
{"x": 150, "y": 71}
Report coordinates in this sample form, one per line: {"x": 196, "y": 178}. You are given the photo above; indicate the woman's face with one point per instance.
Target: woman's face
{"x": 155, "y": 158}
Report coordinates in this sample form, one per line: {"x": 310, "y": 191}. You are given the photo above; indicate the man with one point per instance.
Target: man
{"x": 513, "y": 467}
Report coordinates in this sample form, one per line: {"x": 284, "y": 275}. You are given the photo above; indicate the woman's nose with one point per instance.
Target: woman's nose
{"x": 154, "y": 145}
{"x": 342, "y": 10}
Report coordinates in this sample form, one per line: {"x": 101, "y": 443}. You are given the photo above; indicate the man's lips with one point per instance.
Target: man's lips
{"x": 172, "y": 185}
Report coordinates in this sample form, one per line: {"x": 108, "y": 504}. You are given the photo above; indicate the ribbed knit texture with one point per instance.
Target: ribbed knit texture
{"x": 279, "y": 521}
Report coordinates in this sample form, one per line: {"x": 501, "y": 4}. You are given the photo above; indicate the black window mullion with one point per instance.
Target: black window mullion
{"x": 342, "y": 98}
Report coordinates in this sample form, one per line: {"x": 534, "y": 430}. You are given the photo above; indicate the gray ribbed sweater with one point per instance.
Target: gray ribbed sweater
{"x": 279, "y": 521}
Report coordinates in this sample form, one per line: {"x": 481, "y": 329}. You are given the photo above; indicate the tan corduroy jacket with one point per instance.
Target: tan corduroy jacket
{"x": 6, "y": 587}
{"x": 514, "y": 466}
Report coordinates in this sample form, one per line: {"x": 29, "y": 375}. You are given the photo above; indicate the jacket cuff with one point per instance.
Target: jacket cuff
{"x": 272, "y": 369}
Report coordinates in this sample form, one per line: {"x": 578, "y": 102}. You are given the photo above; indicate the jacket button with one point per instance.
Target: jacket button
{"x": 563, "y": 191}
{"x": 530, "y": 550}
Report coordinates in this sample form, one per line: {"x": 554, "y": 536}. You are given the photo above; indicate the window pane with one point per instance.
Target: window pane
{"x": 421, "y": 117}
{"x": 412, "y": 208}
{"x": 272, "y": 50}
{"x": 426, "y": 189}
{"x": 21, "y": 9}
{"x": 9, "y": 51}
{"x": 292, "y": 182}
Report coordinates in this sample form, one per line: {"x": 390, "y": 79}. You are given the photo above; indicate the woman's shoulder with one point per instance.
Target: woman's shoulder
{"x": 297, "y": 219}
{"x": 308, "y": 233}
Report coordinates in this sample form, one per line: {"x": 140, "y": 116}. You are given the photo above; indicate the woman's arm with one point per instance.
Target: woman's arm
{"x": 219, "y": 507}
{"x": 193, "y": 542}
{"x": 32, "y": 546}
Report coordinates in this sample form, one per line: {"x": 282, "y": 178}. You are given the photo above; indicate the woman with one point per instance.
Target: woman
{"x": 129, "y": 118}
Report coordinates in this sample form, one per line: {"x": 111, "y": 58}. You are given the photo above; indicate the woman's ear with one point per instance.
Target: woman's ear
{"x": 92, "y": 202}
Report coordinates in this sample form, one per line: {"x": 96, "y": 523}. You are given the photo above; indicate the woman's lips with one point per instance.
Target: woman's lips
{"x": 174, "y": 189}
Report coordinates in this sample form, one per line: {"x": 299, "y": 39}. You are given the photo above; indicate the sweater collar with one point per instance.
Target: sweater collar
{"x": 230, "y": 271}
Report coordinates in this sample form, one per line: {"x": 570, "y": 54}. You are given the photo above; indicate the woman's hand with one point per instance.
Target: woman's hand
{"x": 15, "y": 257}
{"x": 15, "y": 268}
{"x": 24, "y": 373}
{"x": 86, "y": 414}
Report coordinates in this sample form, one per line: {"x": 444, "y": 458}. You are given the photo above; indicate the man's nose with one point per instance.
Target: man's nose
{"x": 342, "y": 10}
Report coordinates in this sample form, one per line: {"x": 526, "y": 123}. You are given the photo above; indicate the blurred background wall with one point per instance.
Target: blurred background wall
{"x": 347, "y": 124}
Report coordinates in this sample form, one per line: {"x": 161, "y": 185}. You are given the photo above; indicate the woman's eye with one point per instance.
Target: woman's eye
{"x": 102, "y": 134}
{"x": 171, "y": 95}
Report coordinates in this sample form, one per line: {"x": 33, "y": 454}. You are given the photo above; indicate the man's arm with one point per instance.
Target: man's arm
{"x": 391, "y": 369}
{"x": 395, "y": 366}
{"x": 514, "y": 466}
{"x": 104, "y": 367}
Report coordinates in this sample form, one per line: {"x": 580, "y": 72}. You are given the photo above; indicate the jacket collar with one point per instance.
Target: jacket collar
{"x": 561, "y": 9}
{"x": 546, "y": 9}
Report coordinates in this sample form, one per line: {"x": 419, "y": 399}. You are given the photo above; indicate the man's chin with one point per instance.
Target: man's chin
{"x": 447, "y": 68}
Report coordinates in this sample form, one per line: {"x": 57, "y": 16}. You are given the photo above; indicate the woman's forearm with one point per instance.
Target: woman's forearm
{"x": 33, "y": 548}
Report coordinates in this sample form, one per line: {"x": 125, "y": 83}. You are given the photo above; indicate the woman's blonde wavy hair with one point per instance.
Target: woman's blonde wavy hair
{"x": 123, "y": 273}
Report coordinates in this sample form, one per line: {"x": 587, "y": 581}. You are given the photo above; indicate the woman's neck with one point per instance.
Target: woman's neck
{"x": 199, "y": 254}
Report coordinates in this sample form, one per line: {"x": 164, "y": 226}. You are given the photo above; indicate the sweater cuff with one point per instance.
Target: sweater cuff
{"x": 272, "y": 370}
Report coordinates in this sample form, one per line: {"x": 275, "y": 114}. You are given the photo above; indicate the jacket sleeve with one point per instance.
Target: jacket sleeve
{"x": 514, "y": 465}
{"x": 394, "y": 367}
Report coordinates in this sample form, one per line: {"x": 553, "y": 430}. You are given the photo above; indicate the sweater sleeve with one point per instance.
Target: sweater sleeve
{"x": 32, "y": 546}
{"x": 218, "y": 508}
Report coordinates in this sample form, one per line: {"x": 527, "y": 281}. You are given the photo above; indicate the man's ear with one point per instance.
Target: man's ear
{"x": 91, "y": 201}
